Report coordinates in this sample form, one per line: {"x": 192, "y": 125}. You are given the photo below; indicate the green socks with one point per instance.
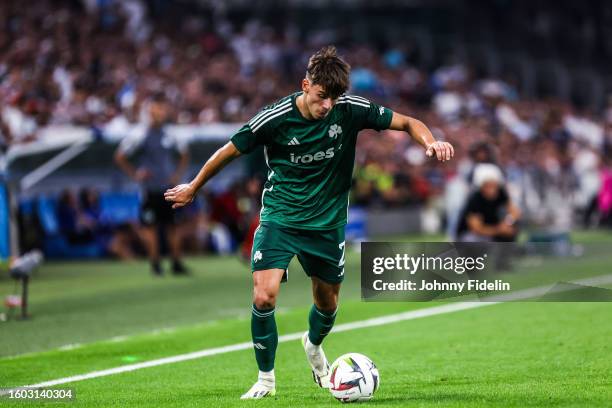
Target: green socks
{"x": 320, "y": 324}
{"x": 265, "y": 337}
{"x": 265, "y": 334}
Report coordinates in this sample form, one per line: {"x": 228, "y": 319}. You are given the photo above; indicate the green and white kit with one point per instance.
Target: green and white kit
{"x": 310, "y": 166}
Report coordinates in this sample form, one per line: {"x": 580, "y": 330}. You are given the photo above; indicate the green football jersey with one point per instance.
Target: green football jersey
{"x": 310, "y": 162}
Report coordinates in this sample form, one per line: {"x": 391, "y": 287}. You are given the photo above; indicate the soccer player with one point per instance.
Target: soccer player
{"x": 309, "y": 143}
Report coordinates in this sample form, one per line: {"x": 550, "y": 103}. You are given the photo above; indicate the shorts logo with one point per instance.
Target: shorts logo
{"x": 259, "y": 346}
{"x": 381, "y": 110}
{"x": 334, "y": 131}
{"x": 258, "y": 256}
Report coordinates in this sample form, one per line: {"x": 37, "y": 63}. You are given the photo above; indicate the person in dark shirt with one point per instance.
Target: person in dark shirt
{"x": 161, "y": 160}
{"x": 489, "y": 214}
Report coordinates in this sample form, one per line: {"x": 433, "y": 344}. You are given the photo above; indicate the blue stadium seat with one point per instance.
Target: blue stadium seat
{"x": 119, "y": 208}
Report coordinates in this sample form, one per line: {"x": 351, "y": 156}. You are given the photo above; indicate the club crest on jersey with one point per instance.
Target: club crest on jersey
{"x": 334, "y": 131}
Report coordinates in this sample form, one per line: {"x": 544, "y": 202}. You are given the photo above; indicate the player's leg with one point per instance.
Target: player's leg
{"x": 323, "y": 312}
{"x": 272, "y": 251}
{"x": 320, "y": 322}
{"x": 149, "y": 219}
{"x": 172, "y": 232}
{"x": 323, "y": 260}
{"x": 148, "y": 234}
{"x": 175, "y": 237}
{"x": 266, "y": 285}
{"x": 120, "y": 245}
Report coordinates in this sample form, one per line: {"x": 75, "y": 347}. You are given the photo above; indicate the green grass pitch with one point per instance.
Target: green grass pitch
{"x": 108, "y": 314}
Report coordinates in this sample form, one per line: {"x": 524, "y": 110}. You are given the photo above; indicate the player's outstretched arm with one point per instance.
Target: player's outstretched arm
{"x": 183, "y": 194}
{"x": 419, "y": 132}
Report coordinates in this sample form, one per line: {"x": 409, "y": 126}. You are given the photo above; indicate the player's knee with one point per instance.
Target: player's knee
{"x": 263, "y": 299}
{"x": 327, "y": 302}
{"x": 326, "y": 297}
{"x": 327, "y": 305}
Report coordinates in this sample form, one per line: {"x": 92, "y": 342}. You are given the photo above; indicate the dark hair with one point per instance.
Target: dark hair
{"x": 327, "y": 69}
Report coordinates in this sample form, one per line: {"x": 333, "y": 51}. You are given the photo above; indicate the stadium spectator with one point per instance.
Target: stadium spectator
{"x": 250, "y": 206}
{"x": 73, "y": 223}
{"x": 225, "y": 209}
{"x": 480, "y": 152}
{"x": 605, "y": 195}
{"x": 117, "y": 240}
{"x": 5, "y": 136}
{"x": 80, "y": 223}
{"x": 19, "y": 117}
{"x": 157, "y": 168}
{"x": 489, "y": 215}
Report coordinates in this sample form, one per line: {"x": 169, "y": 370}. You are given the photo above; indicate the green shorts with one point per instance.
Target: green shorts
{"x": 321, "y": 253}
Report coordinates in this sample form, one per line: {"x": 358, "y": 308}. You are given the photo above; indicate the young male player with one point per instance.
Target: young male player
{"x": 309, "y": 142}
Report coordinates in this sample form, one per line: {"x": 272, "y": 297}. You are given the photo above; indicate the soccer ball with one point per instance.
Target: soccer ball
{"x": 354, "y": 377}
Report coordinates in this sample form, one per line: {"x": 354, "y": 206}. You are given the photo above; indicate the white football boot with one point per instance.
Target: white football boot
{"x": 264, "y": 387}
{"x": 318, "y": 362}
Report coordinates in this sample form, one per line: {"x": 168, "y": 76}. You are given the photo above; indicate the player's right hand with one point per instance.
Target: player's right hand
{"x": 180, "y": 195}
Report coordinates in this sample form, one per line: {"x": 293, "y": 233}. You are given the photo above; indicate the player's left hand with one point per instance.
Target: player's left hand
{"x": 443, "y": 150}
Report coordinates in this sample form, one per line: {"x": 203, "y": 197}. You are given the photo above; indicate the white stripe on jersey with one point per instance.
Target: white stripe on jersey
{"x": 269, "y": 118}
{"x": 262, "y": 115}
{"x": 268, "y": 110}
{"x": 354, "y": 98}
{"x": 352, "y": 103}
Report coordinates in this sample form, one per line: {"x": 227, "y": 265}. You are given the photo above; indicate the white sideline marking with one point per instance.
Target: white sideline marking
{"x": 71, "y": 346}
{"x": 376, "y": 321}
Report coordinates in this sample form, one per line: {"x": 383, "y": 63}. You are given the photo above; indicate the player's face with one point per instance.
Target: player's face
{"x": 158, "y": 112}
{"x": 490, "y": 190}
{"x": 318, "y": 103}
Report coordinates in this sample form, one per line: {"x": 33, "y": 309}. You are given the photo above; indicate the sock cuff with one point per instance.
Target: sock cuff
{"x": 262, "y": 312}
{"x": 268, "y": 375}
{"x": 324, "y": 313}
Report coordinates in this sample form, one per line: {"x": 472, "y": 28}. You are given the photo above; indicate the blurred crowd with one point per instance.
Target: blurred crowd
{"x": 86, "y": 223}
{"x": 94, "y": 63}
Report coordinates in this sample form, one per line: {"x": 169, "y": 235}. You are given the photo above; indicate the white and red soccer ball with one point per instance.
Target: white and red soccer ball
{"x": 354, "y": 377}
